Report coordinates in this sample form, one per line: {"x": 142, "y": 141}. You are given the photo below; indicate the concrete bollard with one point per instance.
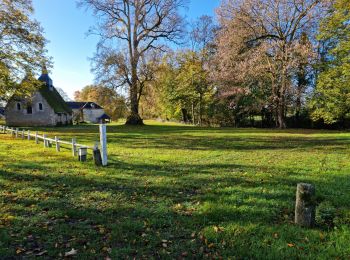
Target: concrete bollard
{"x": 305, "y": 208}
{"x": 82, "y": 155}
{"x": 97, "y": 157}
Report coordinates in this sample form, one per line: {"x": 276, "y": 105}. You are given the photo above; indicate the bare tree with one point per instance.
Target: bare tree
{"x": 137, "y": 27}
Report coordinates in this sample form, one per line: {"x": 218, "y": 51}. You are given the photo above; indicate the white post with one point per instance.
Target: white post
{"x": 28, "y": 135}
{"x": 16, "y": 132}
{"x": 103, "y": 141}
{"x": 57, "y": 140}
{"x": 74, "y": 149}
{"x": 23, "y": 134}
{"x": 45, "y": 142}
{"x": 36, "y": 137}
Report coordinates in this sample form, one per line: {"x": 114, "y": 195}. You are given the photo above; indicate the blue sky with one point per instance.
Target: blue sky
{"x": 65, "y": 27}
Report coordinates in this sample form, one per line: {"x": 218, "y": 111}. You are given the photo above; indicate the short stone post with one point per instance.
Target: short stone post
{"x": 74, "y": 149}
{"x": 16, "y": 132}
{"x": 57, "y": 141}
{"x": 103, "y": 141}
{"x": 28, "y": 135}
{"x": 23, "y": 135}
{"x": 82, "y": 156}
{"x": 305, "y": 207}
{"x": 97, "y": 156}
{"x": 36, "y": 137}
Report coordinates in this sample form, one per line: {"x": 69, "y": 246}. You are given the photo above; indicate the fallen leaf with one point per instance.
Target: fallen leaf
{"x": 71, "y": 253}
{"x": 41, "y": 253}
{"x": 291, "y": 245}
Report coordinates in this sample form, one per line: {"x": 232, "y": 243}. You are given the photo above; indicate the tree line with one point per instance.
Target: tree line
{"x": 268, "y": 63}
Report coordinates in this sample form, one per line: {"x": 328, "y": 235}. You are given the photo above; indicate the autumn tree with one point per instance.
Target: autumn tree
{"x": 331, "y": 102}
{"x": 22, "y": 47}
{"x": 113, "y": 103}
{"x": 259, "y": 45}
{"x": 202, "y": 37}
{"x": 129, "y": 31}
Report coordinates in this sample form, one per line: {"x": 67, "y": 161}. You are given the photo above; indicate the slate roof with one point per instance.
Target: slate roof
{"x": 104, "y": 116}
{"x": 85, "y": 105}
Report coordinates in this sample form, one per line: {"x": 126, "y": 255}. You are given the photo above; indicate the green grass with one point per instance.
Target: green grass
{"x": 173, "y": 191}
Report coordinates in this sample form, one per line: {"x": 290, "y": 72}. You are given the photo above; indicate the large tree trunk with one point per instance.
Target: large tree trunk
{"x": 134, "y": 118}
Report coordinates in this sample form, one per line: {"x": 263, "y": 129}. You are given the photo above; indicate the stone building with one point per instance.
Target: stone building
{"x": 45, "y": 107}
{"x": 88, "y": 112}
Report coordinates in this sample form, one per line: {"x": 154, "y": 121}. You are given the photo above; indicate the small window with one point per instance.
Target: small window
{"x": 18, "y": 106}
{"x": 29, "y": 109}
{"x": 40, "y": 106}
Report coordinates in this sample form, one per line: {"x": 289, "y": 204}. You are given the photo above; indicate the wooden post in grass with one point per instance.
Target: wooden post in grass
{"x": 45, "y": 141}
{"x": 305, "y": 208}
{"x": 16, "y": 132}
{"x": 36, "y": 137}
{"x": 23, "y": 135}
{"x": 57, "y": 141}
{"x": 103, "y": 141}
{"x": 82, "y": 156}
{"x": 74, "y": 149}
{"x": 28, "y": 135}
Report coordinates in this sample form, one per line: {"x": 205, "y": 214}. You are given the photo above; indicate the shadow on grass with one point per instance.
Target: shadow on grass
{"x": 134, "y": 212}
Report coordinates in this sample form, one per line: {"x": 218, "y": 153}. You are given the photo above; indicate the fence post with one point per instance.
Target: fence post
{"x": 28, "y": 135}
{"x": 36, "y": 137}
{"x": 45, "y": 141}
{"x": 103, "y": 141}
{"x": 16, "y": 132}
{"x": 23, "y": 134}
{"x": 57, "y": 140}
{"x": 82, "y": 154}
{"x": 74, "y": 150}
{"x": 305, "y": 208}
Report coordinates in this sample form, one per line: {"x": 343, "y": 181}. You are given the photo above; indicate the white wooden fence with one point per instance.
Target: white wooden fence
{"x": 100, "y": 156}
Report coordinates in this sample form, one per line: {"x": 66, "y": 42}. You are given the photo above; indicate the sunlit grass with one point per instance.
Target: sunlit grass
{"x": 174, "y": 191}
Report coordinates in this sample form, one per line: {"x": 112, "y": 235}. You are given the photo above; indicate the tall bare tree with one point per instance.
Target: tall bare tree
{"x": 129, "y": 31}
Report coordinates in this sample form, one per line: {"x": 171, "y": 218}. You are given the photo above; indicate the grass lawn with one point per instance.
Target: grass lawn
{"x": 173, "y": 191}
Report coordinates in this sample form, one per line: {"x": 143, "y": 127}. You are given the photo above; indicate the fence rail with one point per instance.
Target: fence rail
{"x": 77, "y": 148}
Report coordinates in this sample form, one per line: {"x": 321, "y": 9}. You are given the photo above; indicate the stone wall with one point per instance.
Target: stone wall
{"x": 44, "y": 117}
